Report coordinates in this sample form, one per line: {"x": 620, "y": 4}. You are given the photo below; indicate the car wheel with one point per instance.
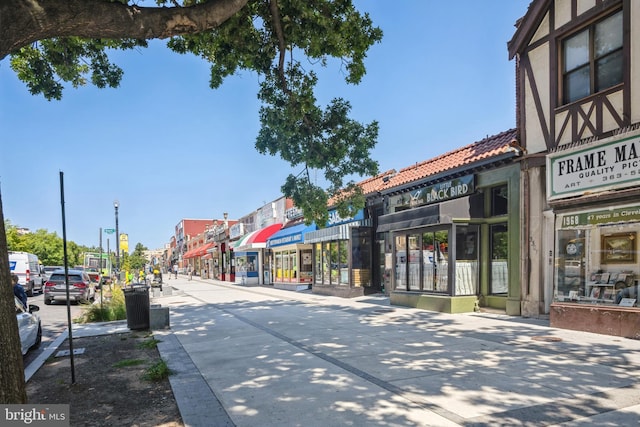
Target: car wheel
{"x": 47, "y": 301}
{"x": 38, "y": 338}
{"x": 30, "y": 291}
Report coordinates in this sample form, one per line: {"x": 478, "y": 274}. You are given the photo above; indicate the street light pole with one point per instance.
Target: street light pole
{"x": 115, "y": 205}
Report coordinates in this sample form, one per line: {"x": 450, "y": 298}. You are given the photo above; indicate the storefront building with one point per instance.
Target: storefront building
{"x": 342, "y": 256}
{"x": 290, "y": 258}
{"x": 578, "y": 113}
{"x": 450, "y": 234}
{"x": 594, "y": 191}
{"x": 251, "y": 255}
{"x": 222, "y": 250}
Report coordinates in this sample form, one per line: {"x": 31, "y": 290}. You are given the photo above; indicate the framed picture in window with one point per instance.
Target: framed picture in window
{"x": 619, "y": 248}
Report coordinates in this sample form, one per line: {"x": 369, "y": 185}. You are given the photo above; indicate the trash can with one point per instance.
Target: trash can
{"x": 136, "y": 301}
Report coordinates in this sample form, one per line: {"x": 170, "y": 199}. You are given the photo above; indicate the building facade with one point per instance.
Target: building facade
{"x": 578, "y": 112}
{"x": 448, "y": 229}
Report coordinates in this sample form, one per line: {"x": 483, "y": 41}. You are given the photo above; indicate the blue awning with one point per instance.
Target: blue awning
{"x": 290, "y": 235}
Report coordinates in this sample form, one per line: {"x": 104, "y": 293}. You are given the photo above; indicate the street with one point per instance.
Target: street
{"x": 54, "y": 321}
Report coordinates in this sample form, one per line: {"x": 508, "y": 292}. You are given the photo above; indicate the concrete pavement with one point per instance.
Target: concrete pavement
{"x": 258, "y": 356}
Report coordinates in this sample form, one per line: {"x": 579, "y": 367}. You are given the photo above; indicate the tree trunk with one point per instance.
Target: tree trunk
{"x": 24, "y": 22}
{"x": 12, "y": 385}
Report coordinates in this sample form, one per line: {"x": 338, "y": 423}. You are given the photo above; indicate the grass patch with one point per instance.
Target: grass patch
{"x": 157, "y": 372}
{"x": 110, "y": 310}
{"x": 149, "y": 344}
{"x": 128, "y": 362}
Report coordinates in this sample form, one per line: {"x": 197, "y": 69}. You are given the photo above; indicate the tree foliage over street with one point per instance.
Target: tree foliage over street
{"x": 47, "y": 246}
{"x": 56, "y": 44}
{"x": 66, "y": 43}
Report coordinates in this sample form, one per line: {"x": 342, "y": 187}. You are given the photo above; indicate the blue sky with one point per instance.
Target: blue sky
{"x": 167, "y": 147}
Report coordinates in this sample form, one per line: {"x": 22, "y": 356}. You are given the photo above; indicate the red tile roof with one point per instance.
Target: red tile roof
{"x": 369, "y": 185}
{"x": 491, "y": 146}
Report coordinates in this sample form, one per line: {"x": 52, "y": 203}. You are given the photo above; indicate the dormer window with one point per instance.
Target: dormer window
{"x": 592, "y": 59}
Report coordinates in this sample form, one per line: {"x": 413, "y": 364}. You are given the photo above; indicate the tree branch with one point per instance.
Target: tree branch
{"x": 24, "y": 22}
{"x": 282, "y": 46}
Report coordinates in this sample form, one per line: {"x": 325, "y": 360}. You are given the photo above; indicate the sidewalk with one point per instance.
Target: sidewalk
{"x": 250, "y": 356}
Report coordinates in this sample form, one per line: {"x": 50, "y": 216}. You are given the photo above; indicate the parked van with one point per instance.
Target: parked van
{"x": 28, "y": 268}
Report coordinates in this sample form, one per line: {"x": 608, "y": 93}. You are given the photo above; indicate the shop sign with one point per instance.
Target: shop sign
{"x": 336, "y": 219}
{"x": 286, "y": 240}
{"x": 601, "y": 217}
{"x": 236, "y": 230}
{"x": 607, "y": 166}
{"x": 436, "y": 193}
{"x": 266, "y": 214}
{"x": 293, "y": 213}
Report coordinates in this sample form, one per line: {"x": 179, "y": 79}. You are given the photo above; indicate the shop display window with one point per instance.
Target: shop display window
{"x": 597, "y": 264}
{"x": 422, "y": 261}
{"x": 247, "y": 264}
{"x": 466, "y": 269}
{"x": 499, "y": 238}
{"x": 318, "y": 263}
{"x": 306, "y": 265}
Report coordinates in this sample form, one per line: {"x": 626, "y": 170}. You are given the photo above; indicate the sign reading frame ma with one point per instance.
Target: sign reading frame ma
{"x": 604, "y": 165}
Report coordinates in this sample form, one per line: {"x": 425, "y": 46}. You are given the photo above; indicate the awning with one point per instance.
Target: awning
{"x": 337, "y": 232}
{"x": 290, "y": 235}
{"x": 189, "y": 254}
{"x": 199, "y": 251}
{"x": 411, "y": 218}
{"x": 203, "y": 249}
{"x": 258, "y": 238}
{"x": 242, "y": 241}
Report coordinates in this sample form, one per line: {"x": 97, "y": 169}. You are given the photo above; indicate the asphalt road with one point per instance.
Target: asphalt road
{"x": 54, "y": 321}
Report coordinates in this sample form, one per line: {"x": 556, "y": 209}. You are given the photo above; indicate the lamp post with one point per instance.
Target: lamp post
{"x": 115, "y": 205}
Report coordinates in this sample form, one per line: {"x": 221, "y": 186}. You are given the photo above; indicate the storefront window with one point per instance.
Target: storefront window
{"x": 467, "y": 260}
{"x": 426, "y": 267}
{"x": 291, "y": 265}
{"x": 401, "y": 262}
{"x": 361, "y": 257}
{"x": 318, "y": 262}
{"x": 326, "y": 260}
{"x": 306, "y": 267}
{"x": 498, "y": 241}
{"x": 415, "y": 261}
{"x": 435, "y": 246}
{"x": 279, "y": 272}
{"x": 334, "y": 263}
{"x": 499, "y": 199}
{"x": 343, "y": 262}
{"x": 598, "y": 263}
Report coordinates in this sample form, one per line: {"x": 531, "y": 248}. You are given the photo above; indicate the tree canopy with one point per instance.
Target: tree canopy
{"x": 56, "y": 44}
{"x": 66, "y": 43}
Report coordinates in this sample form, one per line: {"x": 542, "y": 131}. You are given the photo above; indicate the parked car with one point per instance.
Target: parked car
{"x": 48, "y": 269}
{"x": 27, "y": 267}
{"x": 29, "y": 326}
{"x": 81, "y": 288}
{"x": 94, "y": 275}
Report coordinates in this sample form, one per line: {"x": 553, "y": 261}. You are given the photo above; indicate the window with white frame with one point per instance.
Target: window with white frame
{"x": 592, "y": 59}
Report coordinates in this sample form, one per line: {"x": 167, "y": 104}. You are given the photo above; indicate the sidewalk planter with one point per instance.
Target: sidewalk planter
{"x": 599, "y": 319}
{"x": 158, "y": 317}
{"x": 136, "y": 300}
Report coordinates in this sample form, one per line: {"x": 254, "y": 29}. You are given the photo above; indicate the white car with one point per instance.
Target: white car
{"x": 29, "y": 326}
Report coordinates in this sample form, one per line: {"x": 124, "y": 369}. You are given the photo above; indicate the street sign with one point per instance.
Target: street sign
{"x": 109, "y": 230}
